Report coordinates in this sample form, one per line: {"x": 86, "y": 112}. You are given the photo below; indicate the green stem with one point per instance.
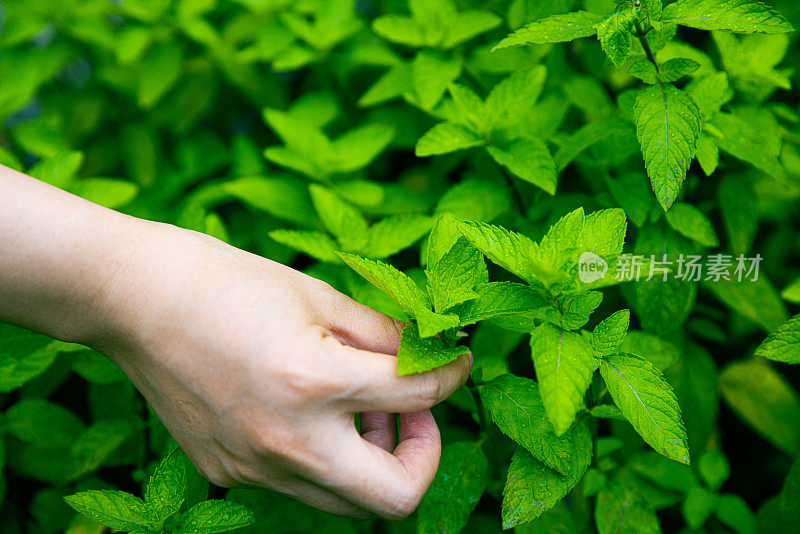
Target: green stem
{"x": 640, "y": 34}
{"x": 483, "y": 420}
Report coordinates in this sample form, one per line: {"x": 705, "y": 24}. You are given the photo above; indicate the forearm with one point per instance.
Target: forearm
{"x": 58, "y": 256}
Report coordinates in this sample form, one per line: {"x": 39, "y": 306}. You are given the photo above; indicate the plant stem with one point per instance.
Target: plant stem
{"x": 640, "y": 34}
{"x": 473, "y": 390}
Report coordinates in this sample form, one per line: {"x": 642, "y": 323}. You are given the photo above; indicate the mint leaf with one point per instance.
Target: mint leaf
{"x": 39, "y": 422}
{"x": 509, "y": 250}
{"x": 431, "y": 73}
{"x": 452, "y": 278}
{"x": 516, "y": 408}
{"x": 356, "y": 148}
{"x": 531, "y": 488}
{"x": 446, "y": 137}
{"x": 94, "y": 445}
{"x": 554, "y": 29}
{"x": 714, "y": 468}
{"x": 394, "y": 283}
{"x": 648, "y": 402}
{"x": 644, "y": 70}
{"x": 755, "y": 299}
{"x": 530, "y": 160}
{"x": 468, "y": 24}
{"x": 431, "y": 323}
{"x": 668, "y": 126}
{"x": 518, "y": 92}
{"x": 734, "y": 512}
{"x": 579, "y": 308}
{"x": 692, "y": 223}
{"x": 340, "y": 218}
{"x": 470, "y": 110}
{"x": 418, "y": 355}
{"x": 752, "y": 135}
{"x": 674, "y": 69}
{"x": 116, "y": 509}
{"x": 615, "y": 35}
{"x": 764, "y": 400}
{"x": 284, "y": 198}
{"x": 315, "y": 244}
{"x": 209, "y": 517}
{"x": 610, "y": 333}
{"x": 499, "y": 299}
{"x": 656, "y": 350}
{"x": 389, "y": 236}
{"x": 742, "y": 16}
{"x": 165, "y": 491}
{"x": 399, "y": 29}
{"x": 738, "y": 204}
{"x": 456, "y": 490}
{"x": 783, "y": 345}
{"x": 698, "y": 506}
{"x": 621, "y": 507}
{"x": 564, "y": 367}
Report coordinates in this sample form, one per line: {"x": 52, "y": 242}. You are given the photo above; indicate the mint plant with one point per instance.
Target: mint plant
{"x": 630, "y": 170}
{"x": 173, "y": 502}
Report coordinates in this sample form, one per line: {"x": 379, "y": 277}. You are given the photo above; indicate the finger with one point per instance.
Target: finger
{"x": 379, "y": 429}
{"x": 324, "y": 500}
{"x": 359, "y": 326}
{"x": 375, "y": 385}
{"x": 391, "y": 485}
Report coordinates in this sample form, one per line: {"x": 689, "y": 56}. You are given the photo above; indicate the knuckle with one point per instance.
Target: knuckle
{"x": 430, "y": 390}
{"x": 402, "y": 505}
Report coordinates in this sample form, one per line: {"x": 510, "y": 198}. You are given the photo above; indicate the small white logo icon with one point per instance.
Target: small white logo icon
{"x": 591, "y": 267}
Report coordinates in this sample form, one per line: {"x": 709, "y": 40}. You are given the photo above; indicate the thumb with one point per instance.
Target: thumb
{"x": 360, "y": 326}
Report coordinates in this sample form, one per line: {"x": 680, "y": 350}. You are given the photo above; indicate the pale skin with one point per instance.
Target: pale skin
{"x": 256, "y": 369}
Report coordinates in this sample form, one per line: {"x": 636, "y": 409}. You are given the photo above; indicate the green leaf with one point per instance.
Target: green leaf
{"x": 446, "y": 137}
{"x": 340, "y": 218}
{"x": 284, "y": 198}
{"x": 765, "y": 400}
{"x": 564, "y": 367}
{"x": 698, "y": 506}
{"x": 469, "y": 24}
{"x": 531, "y": 488}
{"x": 209, "y": 517}
{"x": 615, "y": 35}
{"x": 431, "y": 323}
{"x": 475, "y": 199}
{"x": 644, "y": 70}
{"x": 692, "y": 223}
{"x": 159, "y": 72}
{"x": 94, "y": 446}
{"x": 714, "y": 468}
{"x": 791, "y": 293}
{"x": 610, "y": 333}
{"x": 452, "y": 278}
{"x": 456, "y": 490}
{"x": 648, "y": 402}
{"x": 315, "y": 244}
{"x": 500, "y": 299}
{"x": 622, "y": 509}
{"x": 509, "y": 250}
{"x": 107, "y": 192}
{"x": 752, "y": 135}
{"x": 658, "y": 351}
{"x": 516, "y": 408}
{"x": 668, "y": 127}
{"x": 734, "y": 512}
{"x": 37, "y": 421}
{"x": 393, "y": 234}
{"x": 530, "y": 160}
{"x": 431, "y": 73}
{"x": 418, "y": 355}
{"x": 394, "y": 283}
{"x": 755, "y": 299}
{"x": 115, "y": 509}
{"x": 579, "y": 308}
{"x": 508, "y": 100}
{"x": 554, "y": 29}
{"x": 356, "y": 148}
{"x": 165, "y": 491}
{"x": 676, "y": 68}
{"x": 783, "y": 345}
{"x": 710, "y": 92}
{"x": 738, "y": 204}
{"x": 741, "y": 16}
{"x": 399, "y": 29}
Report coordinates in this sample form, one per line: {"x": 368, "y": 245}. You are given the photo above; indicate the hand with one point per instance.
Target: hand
{"x": 257, "y": 371}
